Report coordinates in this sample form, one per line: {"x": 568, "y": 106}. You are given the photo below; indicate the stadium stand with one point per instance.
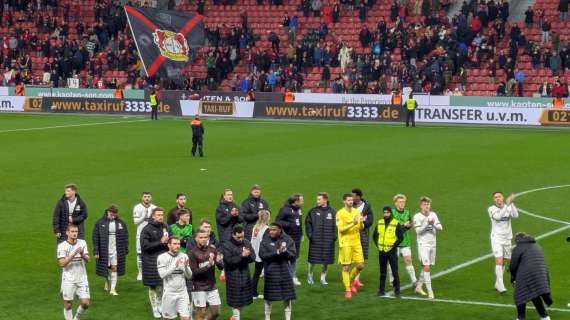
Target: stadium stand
{"x": 321, "y": 45}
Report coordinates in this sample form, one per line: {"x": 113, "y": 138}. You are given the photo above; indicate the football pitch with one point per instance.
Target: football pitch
{"x": 113, "y": 159}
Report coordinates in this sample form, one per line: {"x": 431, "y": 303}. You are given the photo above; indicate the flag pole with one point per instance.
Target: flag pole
{"x": 135, "y": 39}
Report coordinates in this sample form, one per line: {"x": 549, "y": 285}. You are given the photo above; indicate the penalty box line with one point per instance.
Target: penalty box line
{"x": 470, "y": 302}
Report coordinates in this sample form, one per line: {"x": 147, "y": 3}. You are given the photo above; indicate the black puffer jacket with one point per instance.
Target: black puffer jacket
{"x": 365, "y": 233}
{"x": 278, "y": 284}
{"x": 239, "y": 287}
{"x": 290, "y": 218}
{"x": 529, "y": 273}
{"x": 320, "y": 226}
{"x": 61, "y": 217}
{"x": 225, "y": 221}
{"x": 151, "y": 248}
{"x": 101, "y": 245}
{"x": 249, "y": 209}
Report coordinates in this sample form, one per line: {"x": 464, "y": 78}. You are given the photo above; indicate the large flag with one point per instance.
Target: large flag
{"x": 164, "y": 39}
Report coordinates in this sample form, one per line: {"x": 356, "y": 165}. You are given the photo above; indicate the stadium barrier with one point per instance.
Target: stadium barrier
{"x": 105, "y": 106}
{"x": 329, "y": 111}
{"x": 4, "y": 91}
{"x": 503, "y": 102}
{"x": 12, "y": 104}
{"x": 38, "y": 91}
{"x": 191, "y": 108}
{"x": 479, "y": 115}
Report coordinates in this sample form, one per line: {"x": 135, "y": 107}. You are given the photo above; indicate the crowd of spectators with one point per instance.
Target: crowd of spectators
{"x": 431, "y": 54}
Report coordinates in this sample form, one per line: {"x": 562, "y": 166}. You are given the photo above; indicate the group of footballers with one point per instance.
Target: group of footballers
{"x": 184, "y": 257}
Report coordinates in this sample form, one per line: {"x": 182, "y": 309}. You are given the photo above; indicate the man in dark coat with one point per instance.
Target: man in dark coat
{"x": 173, "y": 213}
{"x": 365, "y": 211}
{"x": 277, "y": 250}
{"x": 227, "y": 215}
{"x": 197, "y": 136}
{"x": 70, "y": 209}
{"x": 290, "y": 218}
{"x": 529, "y": 276}
{"x": 238, "y": 254}
{"x": 110, "y": 247}
{"x": 320, "y": 226}
{"x": 250, "y": 207}
{"x": 154, "y": 240}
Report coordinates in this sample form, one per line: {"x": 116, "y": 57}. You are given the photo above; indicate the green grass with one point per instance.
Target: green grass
{"x": 457, "y": 167}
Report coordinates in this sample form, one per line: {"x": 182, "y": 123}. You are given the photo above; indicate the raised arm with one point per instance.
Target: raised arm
{"x": 164, "y": 270}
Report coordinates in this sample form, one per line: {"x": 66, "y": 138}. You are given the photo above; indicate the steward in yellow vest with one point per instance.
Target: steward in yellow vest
{"x": 387, "y": 236}
{"x": 411, "y": 105}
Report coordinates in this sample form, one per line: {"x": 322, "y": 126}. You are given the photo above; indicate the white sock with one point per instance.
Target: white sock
{"x": 152, "y": 298}
{"x": 411, "y": 273}
{"x": 427, "y": 277}
{"x": 67, "y": 314}
{"x": 79, "y": 312}
{"x": 287, "y": 310}
{"x": 113, "y": 280}
{"x": 267, "y": 310}
{"x": 139, "y": 263}
{"x": 159, "y": 299}
{"x": 311, "y": 267}
{"x": 421, "y": 280}
{"x": 324, "y": 273}
{"x": 235, "y": 314}
{"x": 357, "y": 276}
{"x": 499, "y": 277}
{"x": 389, "y": 272}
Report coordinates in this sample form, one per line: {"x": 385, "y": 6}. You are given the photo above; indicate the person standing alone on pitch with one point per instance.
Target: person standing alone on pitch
{"x": 154, "y": 242}
{"x": 387, "y": 236}
{"x": 197, "y": 136}
{"x": 153, "y": 105}
{"x": 70, "y": 209}
{"x": 411, "y": 105}
{"x": 320, "y": 226}
{"x": 529, "y": 276}
{"x": 501, "y": 214}
{"x": 290, "y": 218}
{"x": 110, "y": 247}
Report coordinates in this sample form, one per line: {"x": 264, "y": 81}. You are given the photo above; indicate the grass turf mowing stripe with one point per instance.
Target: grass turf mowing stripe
{"x": 469, "y": 302}
{"x": 70, "y": 126}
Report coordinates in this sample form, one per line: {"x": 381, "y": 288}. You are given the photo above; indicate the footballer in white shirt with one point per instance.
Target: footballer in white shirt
{"x": 174, "y": 269}
{"x": 71, "y": 256}
{"x": 501, "y": 213}
{"x": 141, "y": 214}
{"x": 426, "y": 224}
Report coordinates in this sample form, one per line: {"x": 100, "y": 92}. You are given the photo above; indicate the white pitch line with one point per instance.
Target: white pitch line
{"x": 487, "y": 256}
{"x": 69, "y": 126}
{"x": 469, "y": 302}
{"x": 542, "y": 217}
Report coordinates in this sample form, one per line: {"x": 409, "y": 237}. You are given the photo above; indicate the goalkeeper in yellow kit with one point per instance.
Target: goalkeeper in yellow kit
{"x": 349, "y": 223}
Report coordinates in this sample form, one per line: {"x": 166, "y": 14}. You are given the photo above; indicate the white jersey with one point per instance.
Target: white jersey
{"x": 141, "y": 214}
{"x": 425, "y": 231}
{"x": 501, "y": 221}
{"x": 74, "y": 271}
{"x": 174, "y": 270}
{"x": 112, "y": 237}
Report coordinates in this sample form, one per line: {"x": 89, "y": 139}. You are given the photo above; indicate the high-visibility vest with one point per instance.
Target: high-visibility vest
{"x": 396, "y": 98}
{"x": 118, "y": 93}
{"x": 387, "y": 235}
{"x": 410, "y": 104}
{"x": 558, "y": 103}
{"x": 153, "y": 100}
{"x": 289, "y": 97}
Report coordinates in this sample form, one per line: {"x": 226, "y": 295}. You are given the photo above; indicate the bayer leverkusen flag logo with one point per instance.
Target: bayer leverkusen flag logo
{"x": 164, "y": 39}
